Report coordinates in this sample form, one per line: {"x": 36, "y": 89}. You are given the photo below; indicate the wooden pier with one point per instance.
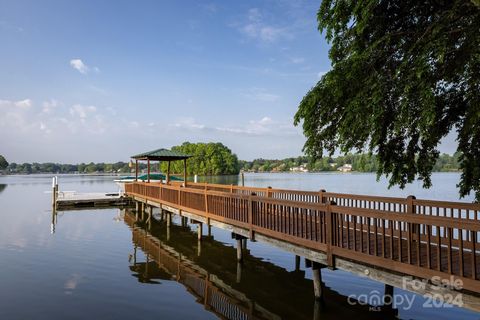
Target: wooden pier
{"x": 407, "y": 243}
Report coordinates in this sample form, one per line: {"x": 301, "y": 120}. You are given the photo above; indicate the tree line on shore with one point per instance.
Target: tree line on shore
{"x": 362, "y": 162}
{"x": 217, "y": 159}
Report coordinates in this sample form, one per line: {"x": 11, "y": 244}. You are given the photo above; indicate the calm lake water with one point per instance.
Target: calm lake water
{"x": 100, "y": 263}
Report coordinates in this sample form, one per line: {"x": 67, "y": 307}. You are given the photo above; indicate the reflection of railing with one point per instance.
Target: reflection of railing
{"x": 196, "y": 280}
{"x": 417, "y": 237}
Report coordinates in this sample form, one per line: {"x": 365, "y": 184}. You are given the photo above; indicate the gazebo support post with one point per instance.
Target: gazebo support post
{"x": 168, "y": 172}
{"x": 136, "y": 170}
{"x": 148, "y": 170}
{"x": 184, "y": 172}
{"x": 160, "y": 170}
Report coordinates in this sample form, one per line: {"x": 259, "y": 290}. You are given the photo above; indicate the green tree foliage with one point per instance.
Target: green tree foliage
{"x": 3, "y": 163}
{"x": 365, "y": 162}
{"x": 28, "y": 168}
{"x": 404, "y": 74}
{"x": 208, "y": 159}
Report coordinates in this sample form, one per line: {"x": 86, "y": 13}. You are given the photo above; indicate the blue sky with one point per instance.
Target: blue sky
{"x": 101, "y": 80}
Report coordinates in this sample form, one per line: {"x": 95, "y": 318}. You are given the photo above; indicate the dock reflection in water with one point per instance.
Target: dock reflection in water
{"x": 253, "y": 289}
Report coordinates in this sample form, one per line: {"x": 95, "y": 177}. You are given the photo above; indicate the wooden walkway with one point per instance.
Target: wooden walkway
{"x": 406, "y": 236}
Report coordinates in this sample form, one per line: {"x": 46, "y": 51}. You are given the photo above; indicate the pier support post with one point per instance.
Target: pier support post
{"x": 239, "y": 272}
{"x": 149, "y": 219}
{"x": 317, "y": 280}
{"x": 169, "y": 219}
{"x": 241, "y": 244}
{"x": 54, "y": 221}
{"x": 388, "y": 297}
{"x": 54, "y": 194}
{"x": 56, "y": 191}
{"x": 199, "y": 231}
{"x": 317, "y": 309}
{"x": 209, "y": 230}
{"x": 297, "y": 263}
{"x": 199, "y": 248}
{"x": 239, "y": 250}
{"x": 244, "y": 243}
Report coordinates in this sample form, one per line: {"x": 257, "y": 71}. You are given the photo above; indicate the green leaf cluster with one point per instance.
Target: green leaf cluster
{"x": 404, "y": 74}
{"x": 207, "y": 159}
{"x": 3, "y": 163}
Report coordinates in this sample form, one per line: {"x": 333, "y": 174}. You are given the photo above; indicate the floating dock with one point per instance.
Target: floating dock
{"x": 72, "y": 200}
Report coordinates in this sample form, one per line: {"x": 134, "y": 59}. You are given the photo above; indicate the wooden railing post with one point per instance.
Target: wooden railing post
{"x": 269, "y": 192}
{"x": 330, "y": 234}
{"x": 179, "y": 196}
{"x": 250, "y": 216}
{"x": 321, "y": 196}
{"x": 206, "y": 201}
{"x": 412, "y": 228}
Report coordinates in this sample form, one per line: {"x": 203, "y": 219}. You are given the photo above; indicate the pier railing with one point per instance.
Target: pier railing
{"x": 422, "y": 238}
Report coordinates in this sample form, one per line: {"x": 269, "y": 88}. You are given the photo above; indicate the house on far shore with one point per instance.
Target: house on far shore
{"x": 345, "y": 168}
{"x": 301, "y": 168}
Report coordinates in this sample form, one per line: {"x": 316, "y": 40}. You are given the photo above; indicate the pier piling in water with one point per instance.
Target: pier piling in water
{"x": 169, "y": 219}
{"x": 297, "y": 263}
{"x": 317, "y": 280}
{"x": 199, "y": 231}
{"x": 54, "y": 192}
{"x": 388, "y": 297}
{"x": 239, "y": 272}
{"x": 239, "y": 250}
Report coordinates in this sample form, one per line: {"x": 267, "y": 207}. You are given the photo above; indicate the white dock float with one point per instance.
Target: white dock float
{"x": 70, "y": 199}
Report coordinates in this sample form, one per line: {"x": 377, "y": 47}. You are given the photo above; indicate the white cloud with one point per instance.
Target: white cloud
{"x": 49, "y": 106}
{"x": 81, "y": 111}
{"x": 79, "y": 66}
{"x": 259, "y": 94}
{"x": 24, "y": 104}
{"x": 256, "y": 28}
{"x": 266, "y": 126}
{"x": 297, "y": 60}
{"x": 20, "y": 104}
{"x": 188, "y": 123}
{"x": 133, "y": 124}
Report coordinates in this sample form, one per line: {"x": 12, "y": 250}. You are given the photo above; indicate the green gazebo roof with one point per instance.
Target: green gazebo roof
{"x": 162, "y": 155}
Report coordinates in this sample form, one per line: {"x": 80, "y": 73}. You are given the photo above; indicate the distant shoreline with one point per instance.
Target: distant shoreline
{"x": 218, "y": 175}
